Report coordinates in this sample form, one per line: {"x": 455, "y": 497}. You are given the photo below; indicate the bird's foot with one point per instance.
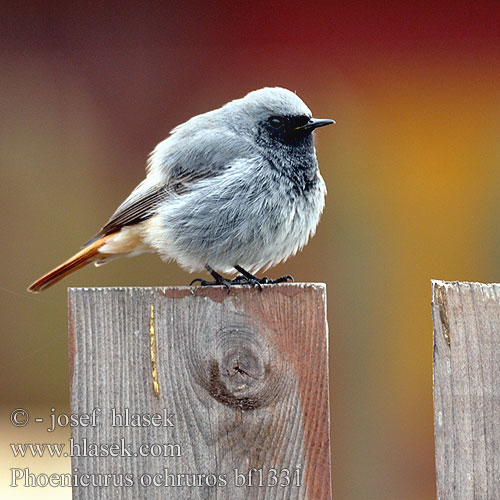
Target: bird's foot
{"x": 283, "y": 279}
{"x": 247, "y": 278}
{"x": 219, "y": 280}
{"x": 252, "y": 281}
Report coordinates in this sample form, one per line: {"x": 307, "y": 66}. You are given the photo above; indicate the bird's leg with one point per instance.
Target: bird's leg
{"x": 247, "y": 278}
{"x": 218, "y": 280}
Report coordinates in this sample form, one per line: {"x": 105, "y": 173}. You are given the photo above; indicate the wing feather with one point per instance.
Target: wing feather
{"x": 139, "y": 206}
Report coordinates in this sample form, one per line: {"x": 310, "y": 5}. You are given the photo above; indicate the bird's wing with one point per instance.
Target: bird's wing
{"x": 174, "y": 167}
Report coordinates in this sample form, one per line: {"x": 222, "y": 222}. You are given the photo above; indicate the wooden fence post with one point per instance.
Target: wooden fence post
{"x": 190, "y": 393}
{"x": 467, "y": 389}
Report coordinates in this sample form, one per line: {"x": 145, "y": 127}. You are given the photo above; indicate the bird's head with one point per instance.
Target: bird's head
{"x": 273, "y": 116}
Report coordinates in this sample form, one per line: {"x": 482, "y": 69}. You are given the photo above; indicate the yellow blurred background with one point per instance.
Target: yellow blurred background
{"x": 412, "y": 169}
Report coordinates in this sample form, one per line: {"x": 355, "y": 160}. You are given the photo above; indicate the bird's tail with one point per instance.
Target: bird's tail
{"x": 85, "y": 256}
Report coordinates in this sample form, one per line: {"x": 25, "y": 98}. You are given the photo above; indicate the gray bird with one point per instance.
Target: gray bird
{"x": 234, "y": 189}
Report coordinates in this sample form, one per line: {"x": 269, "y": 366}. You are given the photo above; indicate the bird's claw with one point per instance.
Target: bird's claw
{"x": 218, "y": 281}
{"x": 245, "y": 278}
{"x": 284, "y": 279}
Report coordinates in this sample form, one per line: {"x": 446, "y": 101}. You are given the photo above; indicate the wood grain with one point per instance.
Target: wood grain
{"x": 244, "y": 375}
{"x": 467, "y": 390}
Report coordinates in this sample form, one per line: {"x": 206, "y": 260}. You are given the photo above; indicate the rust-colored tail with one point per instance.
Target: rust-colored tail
{"x": 85, "y": 256}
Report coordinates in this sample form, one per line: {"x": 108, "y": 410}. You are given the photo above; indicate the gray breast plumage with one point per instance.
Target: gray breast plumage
{"x": 254, "y": 214}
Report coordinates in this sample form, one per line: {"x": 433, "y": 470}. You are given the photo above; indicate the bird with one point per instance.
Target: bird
{"x": 233, "y": 190}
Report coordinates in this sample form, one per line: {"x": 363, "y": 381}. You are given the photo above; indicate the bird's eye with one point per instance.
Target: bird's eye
{"x": 276, "y": 122}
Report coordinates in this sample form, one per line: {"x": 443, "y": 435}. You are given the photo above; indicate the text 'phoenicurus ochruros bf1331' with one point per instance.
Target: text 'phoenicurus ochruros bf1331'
{"x": 234, "y": 189}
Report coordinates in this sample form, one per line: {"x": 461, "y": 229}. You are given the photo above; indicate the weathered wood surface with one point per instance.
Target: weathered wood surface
{"x": 467, "y": 390}
{"x": 243, "y": 379}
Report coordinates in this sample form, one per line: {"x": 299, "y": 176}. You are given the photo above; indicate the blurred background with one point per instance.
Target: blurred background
{"x": 412, "y": 169}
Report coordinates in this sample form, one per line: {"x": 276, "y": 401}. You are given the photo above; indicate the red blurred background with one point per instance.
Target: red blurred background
{"x": 412, "y": 169}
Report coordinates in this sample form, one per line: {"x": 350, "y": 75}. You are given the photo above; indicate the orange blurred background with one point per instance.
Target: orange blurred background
{"x": 412, "y": 169}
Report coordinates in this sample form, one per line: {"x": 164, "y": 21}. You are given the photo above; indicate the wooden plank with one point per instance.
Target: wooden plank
{"x": 242, "y": 383}
{"x": 467, "y": 390}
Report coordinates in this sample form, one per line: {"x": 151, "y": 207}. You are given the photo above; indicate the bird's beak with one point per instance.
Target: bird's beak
{"x": 315, "y": 123}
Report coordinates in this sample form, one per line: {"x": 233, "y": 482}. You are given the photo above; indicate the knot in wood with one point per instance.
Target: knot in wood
{"x": 241, "y": 367}
{"x": 243, "y": 371}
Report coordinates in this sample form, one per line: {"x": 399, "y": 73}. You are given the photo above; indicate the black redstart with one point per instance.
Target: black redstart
{"x": 237, "y": 188}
